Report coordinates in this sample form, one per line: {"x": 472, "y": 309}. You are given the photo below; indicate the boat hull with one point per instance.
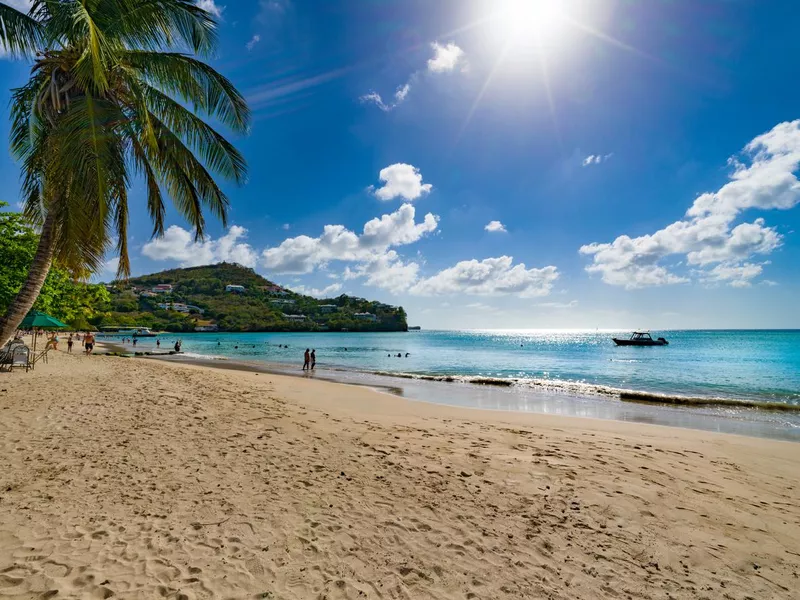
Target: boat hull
{"x": 619, "y": 342}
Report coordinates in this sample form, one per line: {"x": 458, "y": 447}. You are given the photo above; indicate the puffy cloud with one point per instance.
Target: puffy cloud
{"x": 740, "y": 275}
{"x": 303, "y": 254}
{"x": 445, "y": 58}
{"x": 495, "y": 227}
{"x": 401, "y": 181}
{"x": 489, "y": 277}
{"x": 596, "y": 159}
{"x": 211, "y": 7}
{"x": 253, "y": 41}
{"x": 707, "y": 235}
{"x": 386, "y": 271}
{"x": 326, "y": 292}
{"x": 179, "y": 245}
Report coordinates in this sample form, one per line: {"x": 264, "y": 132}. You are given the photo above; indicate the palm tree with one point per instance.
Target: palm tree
{"x": 106, "y": 103}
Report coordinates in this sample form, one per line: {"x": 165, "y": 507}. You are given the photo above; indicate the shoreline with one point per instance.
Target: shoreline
{"x": 139, "y": 479}
{"x": 725, "y": 418}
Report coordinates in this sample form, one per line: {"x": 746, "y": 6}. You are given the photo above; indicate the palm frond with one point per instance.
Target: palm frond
{"x": 193, "y": 81}
{"x": 158, "y": 24}
{"x": 20, "y": 34}
{"x": 217, "y": 152}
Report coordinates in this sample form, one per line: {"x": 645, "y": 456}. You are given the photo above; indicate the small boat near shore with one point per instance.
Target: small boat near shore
{"x": 137, "y": 332}
{"x": 641, "y": 338}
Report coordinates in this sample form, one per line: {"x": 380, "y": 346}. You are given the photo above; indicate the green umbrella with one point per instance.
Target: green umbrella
{"x": 38, "y": 320}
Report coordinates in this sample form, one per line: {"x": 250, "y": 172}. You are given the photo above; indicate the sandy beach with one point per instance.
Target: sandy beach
{"x": 137, "y": 478}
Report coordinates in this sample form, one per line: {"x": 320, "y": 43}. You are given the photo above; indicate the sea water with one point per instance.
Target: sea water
{"x": 566, "y": 372}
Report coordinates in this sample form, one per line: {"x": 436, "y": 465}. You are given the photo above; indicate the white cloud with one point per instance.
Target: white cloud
{"x": 253, "y": 41}
{"x": 445, "y": 58}
{"x": 482, "y": 307}
{"x": 285, "y": 227}
{"x": 401, "y": 181}
{"x": 400, "y": 95}
{"x": 327, "y": 292}
{"x": 489, "y": 277}
{"x": 179, "y": 245}
{"x": 495, "y": 227}
{"x": 570, "y": 304}
{"x": 707, "y": 235}
{"x": 111, "y": 265}
{"x": 386, "y": 271}
{"x": 303, "y": 254}
{"x": 211, "y": 7}
{"x": 596, "y": 159}
{"x": 740, "y": 275}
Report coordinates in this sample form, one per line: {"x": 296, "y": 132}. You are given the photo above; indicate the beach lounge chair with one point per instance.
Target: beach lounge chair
{"x": 15, "y": 354}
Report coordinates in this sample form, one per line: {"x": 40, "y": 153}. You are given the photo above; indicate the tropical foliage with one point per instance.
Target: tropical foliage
{"x": 74, "y": 302}
{"x": 113, "y": 95}
{"x": 253, "y": 310}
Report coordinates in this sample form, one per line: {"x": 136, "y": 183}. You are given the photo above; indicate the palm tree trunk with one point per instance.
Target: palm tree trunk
{"x": 23, "y": 302}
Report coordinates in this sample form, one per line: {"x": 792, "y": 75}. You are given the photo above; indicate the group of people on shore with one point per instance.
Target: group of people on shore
{"x": 309, "y": 360}
{"x": 87, "y": 342}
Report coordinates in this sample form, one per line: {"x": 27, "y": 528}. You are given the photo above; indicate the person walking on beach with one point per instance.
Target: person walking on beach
{"x": 306, "y": 359}
{"x": 69, "y": 344}
{"x": 88, "y": 342}
{"x": 313, "y": 358}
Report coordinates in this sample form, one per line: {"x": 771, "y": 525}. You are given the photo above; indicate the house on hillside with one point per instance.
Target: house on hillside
{"x": 180, "y": 307}
{"x": 282, "y": 302}
{"x": 163, "y": 288}
{"x": 294, "y": 318}
{"x": 235, "y": 289}
{"x": 274, "y": 290}
{"x": 328, "y": 308}
{"x": 365, "y": 316}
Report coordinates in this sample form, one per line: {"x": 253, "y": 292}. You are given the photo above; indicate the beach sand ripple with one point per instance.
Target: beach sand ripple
{"x": 133, "y": 478}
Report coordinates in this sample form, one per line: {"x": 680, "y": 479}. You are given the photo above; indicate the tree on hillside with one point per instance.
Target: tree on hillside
{"x": 104, "y": 103}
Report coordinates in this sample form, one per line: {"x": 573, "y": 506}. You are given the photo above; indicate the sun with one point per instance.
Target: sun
{"x": 536, "y": 22}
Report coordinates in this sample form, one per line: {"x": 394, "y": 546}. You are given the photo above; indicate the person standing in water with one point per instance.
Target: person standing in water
{"x": 313, "y": 358}
{"x": 306, "y": 359}
{"x": 158, "y": 343}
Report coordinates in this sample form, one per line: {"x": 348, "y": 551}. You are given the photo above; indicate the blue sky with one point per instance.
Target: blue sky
{"x": 585, "y": 163}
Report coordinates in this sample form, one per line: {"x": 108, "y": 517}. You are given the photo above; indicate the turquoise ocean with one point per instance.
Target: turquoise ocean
{"x": 579, "y": 372}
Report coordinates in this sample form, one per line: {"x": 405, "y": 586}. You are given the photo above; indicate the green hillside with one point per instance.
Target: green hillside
{"x": 198, "y": 298}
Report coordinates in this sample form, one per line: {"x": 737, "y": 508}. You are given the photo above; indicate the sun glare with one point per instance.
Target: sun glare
{"x": 536, "y": 22}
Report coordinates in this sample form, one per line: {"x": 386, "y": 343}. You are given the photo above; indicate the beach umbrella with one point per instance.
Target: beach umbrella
{"x": 38, "y": 320}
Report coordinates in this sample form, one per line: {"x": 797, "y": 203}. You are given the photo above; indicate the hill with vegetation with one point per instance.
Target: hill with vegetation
{"x": 202, "y": 298}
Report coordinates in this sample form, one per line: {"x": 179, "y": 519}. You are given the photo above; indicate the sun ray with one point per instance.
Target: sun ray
{"x": 485, "y": 87}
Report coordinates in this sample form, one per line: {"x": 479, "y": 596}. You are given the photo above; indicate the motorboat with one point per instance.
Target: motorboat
{"x": 137, "y": 332}
{"x": 641, "y": 338}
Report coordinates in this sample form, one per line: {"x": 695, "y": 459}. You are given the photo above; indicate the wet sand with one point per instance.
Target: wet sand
{"x": 142, "y": 478}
